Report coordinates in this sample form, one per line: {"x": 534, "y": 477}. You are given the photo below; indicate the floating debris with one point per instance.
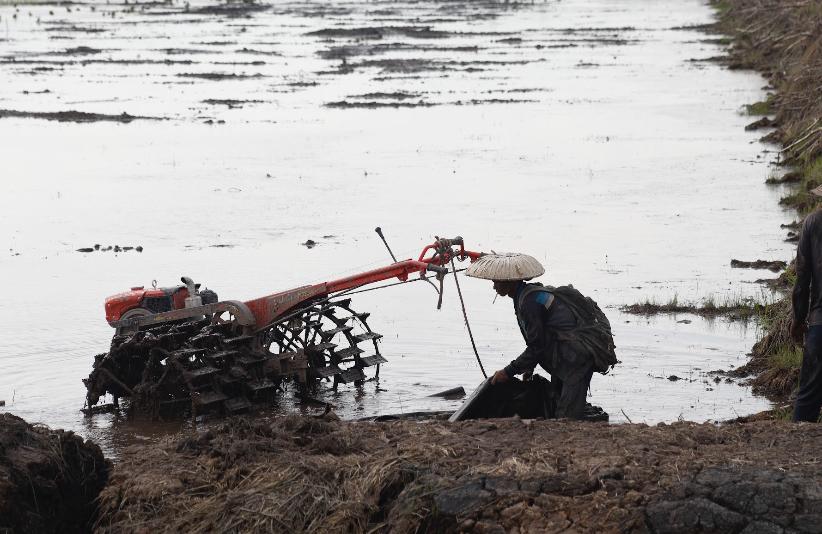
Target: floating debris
{"x": 456, "y": 392}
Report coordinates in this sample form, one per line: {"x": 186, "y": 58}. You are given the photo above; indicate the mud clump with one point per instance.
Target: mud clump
{"x": 319, "y": 474}
{"x": 774, "y": 266}
{"x": 764, "y": 122}
{"x": 79, "y": 51}
{"x": 218, "y": 76}
{"x": 373, "y": 104}
{"x": 742, "y": 310}
{"x": 49, "y": 479}
{"x": 741, "y": 498}
{"x": 110, "y": 248}
{"x": 71, "y": 116}
{"x": 230, "y": 9}
{"x": 230, "y": 102}
{"x": 416, "y": 32}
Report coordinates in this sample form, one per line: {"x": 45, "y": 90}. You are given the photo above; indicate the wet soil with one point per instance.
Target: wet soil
{"x": 72, "y": 116}
{"x": 110, "y": 248}
{"x": 322, "y": 475}
{"x": 230, "y": 102}
{"x": 230, "y": 9}
{"x": 218, "y": 76}
{"x": 49, "y": 479}
{"x": 790, "y": 177}
{"x": 774, "y": 265}
{"x": 764, "y": 122}
{"x": 374, "y": 104}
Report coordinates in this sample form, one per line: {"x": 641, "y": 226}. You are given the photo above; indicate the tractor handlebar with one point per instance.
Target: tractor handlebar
{"x": 445, "y": 249}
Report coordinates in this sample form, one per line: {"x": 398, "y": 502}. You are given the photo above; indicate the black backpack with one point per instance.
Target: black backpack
{"x": 593, "y": 331}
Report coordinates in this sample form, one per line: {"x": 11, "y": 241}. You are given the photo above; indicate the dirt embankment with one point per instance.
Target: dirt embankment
{"x": 299, "y": 474}
{"x": 783, "y": 40}
{"x": 49, "y": 479}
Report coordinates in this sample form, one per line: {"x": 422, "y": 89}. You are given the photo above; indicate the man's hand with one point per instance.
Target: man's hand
{"x": 500, "y": 377}
{"x": 798, "y": 330}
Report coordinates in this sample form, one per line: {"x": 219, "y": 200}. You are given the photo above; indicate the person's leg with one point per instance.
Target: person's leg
{"x": 571, "y": 402}
{"x": 809, "y": 396}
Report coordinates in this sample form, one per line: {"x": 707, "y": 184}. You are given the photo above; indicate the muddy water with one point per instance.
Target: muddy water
{"x": 581, "y": 132}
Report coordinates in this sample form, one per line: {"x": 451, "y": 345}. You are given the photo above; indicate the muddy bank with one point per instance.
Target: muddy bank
{"x": 782, "y": 40}
{"x": 773, "y": 265}
{"x": 775, "y": 360}
{"x": 49, "y": 479}
{"x": 300, "y": 474}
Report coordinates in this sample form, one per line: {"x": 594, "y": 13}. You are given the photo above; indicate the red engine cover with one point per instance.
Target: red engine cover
{"x": 117, "y": 305}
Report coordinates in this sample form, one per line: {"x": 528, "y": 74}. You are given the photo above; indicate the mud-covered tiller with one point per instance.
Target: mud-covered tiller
{"x": 181, "y": 347}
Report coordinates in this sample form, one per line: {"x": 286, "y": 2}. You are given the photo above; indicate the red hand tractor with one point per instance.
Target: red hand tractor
{"x": 181, "y": 347}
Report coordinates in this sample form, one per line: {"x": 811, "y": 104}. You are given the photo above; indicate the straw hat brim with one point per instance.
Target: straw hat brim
{"x": 505, "y": 267}
{"x": 817, "y": 191}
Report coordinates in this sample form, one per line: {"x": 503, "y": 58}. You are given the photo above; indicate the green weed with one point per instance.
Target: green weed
{"x": 721, "y": 6}
{"x": 733, "y": 307}
{"x": 763, "y": 107}
{"x": 786, "y": 357}
{"x": 801, "y": 199}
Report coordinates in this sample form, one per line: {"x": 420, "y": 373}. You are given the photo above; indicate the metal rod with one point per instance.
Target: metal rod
{"x": 379, "y": 233}
{"x": 465, "y": 316}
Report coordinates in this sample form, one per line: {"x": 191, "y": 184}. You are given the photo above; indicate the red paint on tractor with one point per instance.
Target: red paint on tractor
{"x": 117, "y": 305}
{"x": 269, "y": 308}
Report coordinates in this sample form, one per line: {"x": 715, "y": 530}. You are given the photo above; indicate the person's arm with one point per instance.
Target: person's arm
{"x": 531, "y": 315}
{"x": 801, "y": 290}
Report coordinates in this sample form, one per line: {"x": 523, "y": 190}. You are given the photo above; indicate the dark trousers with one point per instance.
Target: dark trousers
{"x": 809, "y": 397}
{"x": 571, "y": 396}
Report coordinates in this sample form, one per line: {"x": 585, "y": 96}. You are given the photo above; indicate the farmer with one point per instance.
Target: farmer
{"x": 806, "y": 321}
{"x": 542, "y": 318}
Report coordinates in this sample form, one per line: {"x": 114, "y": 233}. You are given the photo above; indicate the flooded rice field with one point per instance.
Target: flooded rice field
{"x": 219, "y": 138}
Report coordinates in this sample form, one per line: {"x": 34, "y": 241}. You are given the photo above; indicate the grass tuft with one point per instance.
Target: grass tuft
{"x": 801, "y": 199}
{"x": 734, "y": 308}
{"x": 763, "y": 107}
{"x": 786, "y": 357}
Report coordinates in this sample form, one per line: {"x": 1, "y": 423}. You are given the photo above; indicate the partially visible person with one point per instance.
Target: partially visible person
{"x": 806, "y": 320}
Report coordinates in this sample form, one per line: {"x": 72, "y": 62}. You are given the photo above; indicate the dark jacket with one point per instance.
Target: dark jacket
{"x": 807, "y": 292}
{"x": 539, "y": 326}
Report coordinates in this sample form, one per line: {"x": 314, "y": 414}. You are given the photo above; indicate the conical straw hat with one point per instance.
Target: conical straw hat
{"x": 817, "y": 191}
{"x": 510, "y": 266}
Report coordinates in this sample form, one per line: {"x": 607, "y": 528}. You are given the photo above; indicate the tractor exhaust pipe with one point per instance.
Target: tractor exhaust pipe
{"x": 193, "y": 300}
